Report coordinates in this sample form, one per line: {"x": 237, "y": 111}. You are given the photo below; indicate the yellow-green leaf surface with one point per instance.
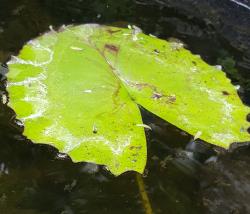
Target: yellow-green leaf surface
{"x": 78, "y": 90}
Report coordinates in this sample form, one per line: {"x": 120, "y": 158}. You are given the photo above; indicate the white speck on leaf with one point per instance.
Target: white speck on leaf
{"x": 76, "y": 48}
{"x": 194, "y": 69}
{"x": 87, "y": 91}
{"x": 197, "y": 135}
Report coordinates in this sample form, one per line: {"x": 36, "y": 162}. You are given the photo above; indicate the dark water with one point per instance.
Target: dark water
{"x": 36, "y": 179}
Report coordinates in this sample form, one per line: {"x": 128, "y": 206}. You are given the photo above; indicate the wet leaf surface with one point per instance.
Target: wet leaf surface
{"x": 78, "y": 90}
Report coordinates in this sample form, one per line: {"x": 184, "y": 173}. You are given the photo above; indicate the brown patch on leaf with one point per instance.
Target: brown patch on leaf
{"x": 140, "y": 86}
{"x": 135, "y": 147}
{"x": 156, "y": 96}
{"x": 171, "y": 98}
{"x": 112, "y": 48}
{"x": 225, "y": 93}
{"x": 156, "y": 51}
{"x": 110, "y": 31}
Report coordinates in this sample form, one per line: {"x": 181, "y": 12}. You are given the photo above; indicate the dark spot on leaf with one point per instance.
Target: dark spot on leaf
{"x": 135, "y": 147}
{"x": 111, "y": 48}
{"x": 156, "y": 51}
{"x": 132, "y": 98}
{"x": 225, "y": 93}
{"x": 94, "y": 130}
{"x": 194, "y": 62}
{"x": 140, "y": 86}
{"x": 171, "y": 98}
{"x": 156, "y": 96}
{"x": 112, "y": 31}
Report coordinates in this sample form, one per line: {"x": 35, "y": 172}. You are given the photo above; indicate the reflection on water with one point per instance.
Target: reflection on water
{"x": 36, "y": 179}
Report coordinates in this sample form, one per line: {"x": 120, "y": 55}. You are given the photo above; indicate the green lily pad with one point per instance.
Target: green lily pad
{"x": 78, "y": 90}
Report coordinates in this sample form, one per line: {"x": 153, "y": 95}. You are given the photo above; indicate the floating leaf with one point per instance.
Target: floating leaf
{"x": 78, "y": 90}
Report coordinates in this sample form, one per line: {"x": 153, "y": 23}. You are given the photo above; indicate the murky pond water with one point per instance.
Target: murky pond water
{"x": 36, "y": 179}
